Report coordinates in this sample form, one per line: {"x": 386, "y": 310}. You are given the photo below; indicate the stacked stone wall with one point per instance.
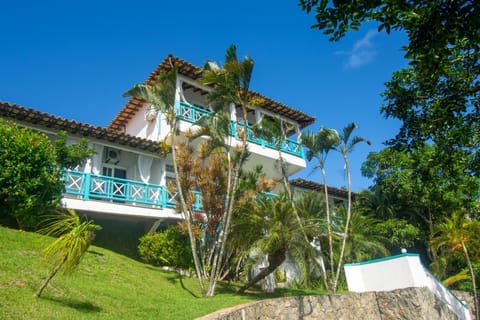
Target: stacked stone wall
{"x": 410, "y": 303}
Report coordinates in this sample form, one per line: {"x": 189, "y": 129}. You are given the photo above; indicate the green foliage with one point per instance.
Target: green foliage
{"x": 74, "y": 237}
{"x": 167, "y": 248}
{"x": 458, "y": 237}
{"x": 30, "y": 184}
{"x": 68, "y": 157}
{"x": 398, "y": 233}
{"x": 30, "y": 179}
{"x": 414, "y": 187}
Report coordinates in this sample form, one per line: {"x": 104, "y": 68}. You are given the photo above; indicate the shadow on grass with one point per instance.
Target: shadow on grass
{"x": 174, "y": 278}
{"x": 82, "y": 306}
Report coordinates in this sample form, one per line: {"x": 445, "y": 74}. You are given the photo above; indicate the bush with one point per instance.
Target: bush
{"x": 166, "y": 248}
{"x": 30, "y": 184}
{"x": 31, "y": 173}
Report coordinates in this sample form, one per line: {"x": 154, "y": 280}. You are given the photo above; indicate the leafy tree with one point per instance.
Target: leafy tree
{"x": 31, "y": 177}
{"x": 459, "y": 232}
{"x": 437, "y": 97}
{"x": 397, "y": 233}
{"x": 68, "y": 249}
{"x": 414, "y": 187}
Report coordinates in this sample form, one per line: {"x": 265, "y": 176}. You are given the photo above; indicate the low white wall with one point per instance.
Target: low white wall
{"x": 398, "y": 272}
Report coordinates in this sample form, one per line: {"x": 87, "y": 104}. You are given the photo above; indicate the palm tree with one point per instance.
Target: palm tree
{"x": 364, "y": 241}
{"x": 268, "y": 225}
{"x": 453, "y": 234}
{"x": 68, "y": 249}
{"x": 230, "y": 85}
{"x": 319, "y": 145}
{"x": 161, "y": 95}
{"x": 345, "y": 145}
{"x": 274, "y": 129}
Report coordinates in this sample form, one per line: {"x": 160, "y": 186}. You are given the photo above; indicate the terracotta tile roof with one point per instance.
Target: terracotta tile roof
{"x": 42, "y": 119}
{"x": 311, "y": 185}
{"x": 193, "y": 72}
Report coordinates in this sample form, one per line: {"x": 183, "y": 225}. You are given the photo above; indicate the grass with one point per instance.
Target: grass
{"x": 106, "y": 286}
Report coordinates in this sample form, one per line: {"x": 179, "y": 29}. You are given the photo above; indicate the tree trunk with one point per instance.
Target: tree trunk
{"x": 187, "y": 215}
{"x": 46, "y": 281}
{"x": 274, "y": 261}
{"x": 474, "y": 285}
{"x": 347, "y": 223}
{"x": 329, "y": 226}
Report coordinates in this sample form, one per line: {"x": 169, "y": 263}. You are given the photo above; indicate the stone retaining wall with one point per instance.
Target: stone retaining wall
{"x": 410, "y": 303}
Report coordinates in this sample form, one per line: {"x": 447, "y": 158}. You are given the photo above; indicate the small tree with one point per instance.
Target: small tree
{"x": 30, "y": 178}
{"x": 68, "y": 249}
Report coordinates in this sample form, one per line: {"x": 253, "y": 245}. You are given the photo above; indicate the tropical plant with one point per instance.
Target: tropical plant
{"x": 345, "y": 145}
{"x": 74, "y": 238}
{"x": 364, "y": 242}
{"x": 166, "y": 248}
{"x": 31, "y": 177}
{"x": 269, "y": 225}
{"x": 161, "y": 95}
{"x": 230, "y": 88}
{"x": 459, "y": 232}
{"x": 318, "y": 146}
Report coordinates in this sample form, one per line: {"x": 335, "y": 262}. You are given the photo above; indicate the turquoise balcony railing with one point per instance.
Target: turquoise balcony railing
{"x": 88, "y": 186}
{"x": 192, "y": 114}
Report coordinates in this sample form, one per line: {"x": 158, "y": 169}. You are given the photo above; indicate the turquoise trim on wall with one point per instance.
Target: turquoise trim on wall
{"x": 192, "y": 114}
{"x": 383, "y": 259}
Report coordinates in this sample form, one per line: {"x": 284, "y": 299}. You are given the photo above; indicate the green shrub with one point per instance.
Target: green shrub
{"x": 31, "y": 173}
{"x": 166, "y": 248}
{"x": 30, "y": 184}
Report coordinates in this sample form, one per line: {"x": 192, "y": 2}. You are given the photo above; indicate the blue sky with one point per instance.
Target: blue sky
{"x": 75, "y": 59}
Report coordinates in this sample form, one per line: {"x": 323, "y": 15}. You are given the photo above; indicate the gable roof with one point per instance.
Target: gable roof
{"x": 314, "y": 186}
{"x": 42, "y": 119}
{"x": 193, "y": 72}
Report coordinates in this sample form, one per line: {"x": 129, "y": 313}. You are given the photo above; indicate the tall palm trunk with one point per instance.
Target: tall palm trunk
{"x": 347, "y": 223}
{"x": 472, "y": 274}
{"x": 274, "y": 260}
{"x": 187, "y": 218}
{"x": 288, "y": 191}
{"x": 227, "y": 217}
{"x": 329, "y": 226}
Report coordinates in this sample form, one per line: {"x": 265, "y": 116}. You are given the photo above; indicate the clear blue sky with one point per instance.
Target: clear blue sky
{"x": 75, "y": 59}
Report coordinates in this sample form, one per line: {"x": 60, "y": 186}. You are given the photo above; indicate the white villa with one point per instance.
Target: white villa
{"x": 123, "y": 186}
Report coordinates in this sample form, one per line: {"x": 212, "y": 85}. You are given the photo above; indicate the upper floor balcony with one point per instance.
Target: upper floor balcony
{"x": 192, "y": 114}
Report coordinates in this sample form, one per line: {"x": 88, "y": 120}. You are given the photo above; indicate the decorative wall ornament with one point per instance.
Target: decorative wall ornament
{"x": 151, "y": 114}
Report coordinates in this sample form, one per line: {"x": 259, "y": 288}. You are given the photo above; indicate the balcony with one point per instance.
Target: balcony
{"x": 192, "y": 114}
{"x": 87, "y": 186}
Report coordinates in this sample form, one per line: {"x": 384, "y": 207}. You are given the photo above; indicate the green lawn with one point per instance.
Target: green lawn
{"x": 106, "y": 286}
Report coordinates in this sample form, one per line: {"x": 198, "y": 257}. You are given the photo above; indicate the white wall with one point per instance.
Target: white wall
{"x": 139, "y": 127}
{"x": 398, "y": 272}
